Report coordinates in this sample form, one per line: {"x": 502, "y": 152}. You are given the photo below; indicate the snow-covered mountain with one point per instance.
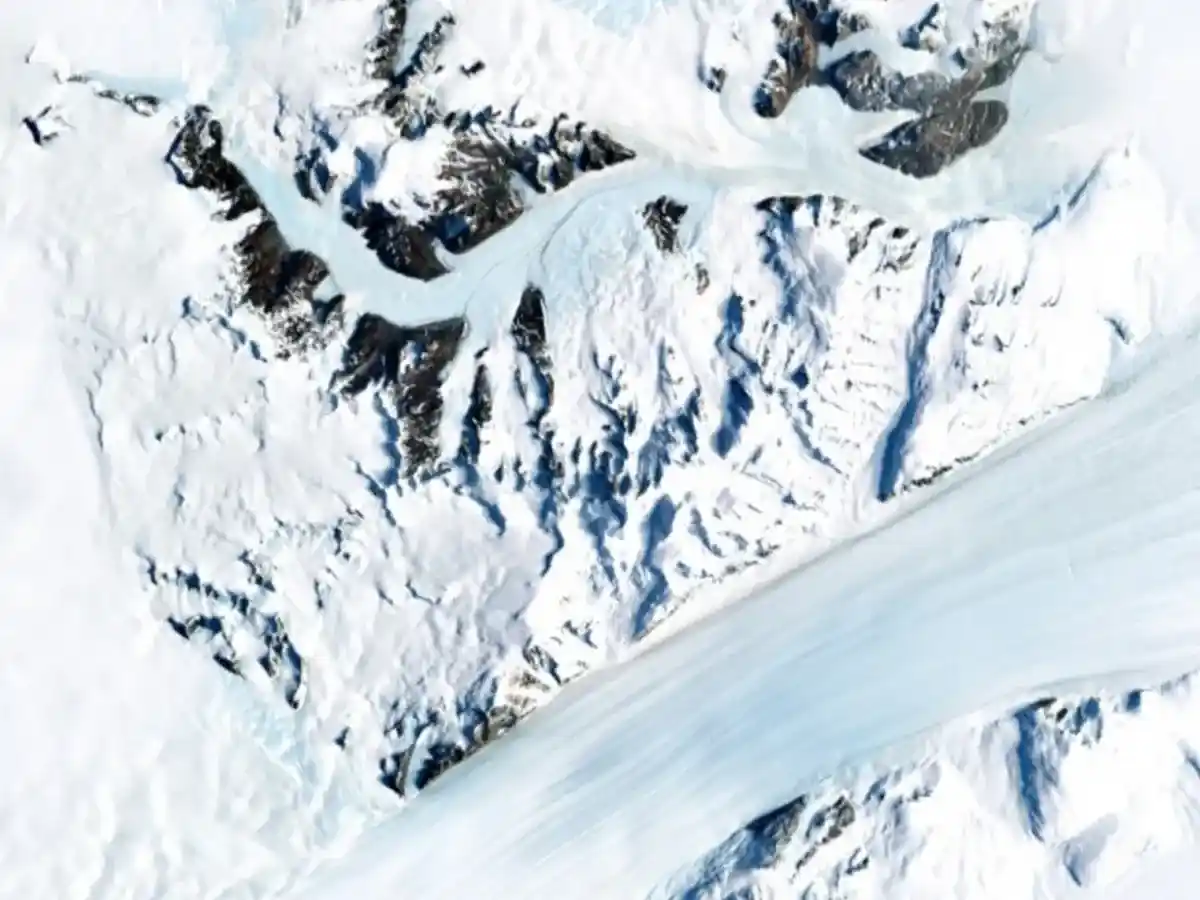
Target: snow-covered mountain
{"x": 420, "y": 358}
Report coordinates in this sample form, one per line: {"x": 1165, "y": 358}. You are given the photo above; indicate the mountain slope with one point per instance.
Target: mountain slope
{"x": 626, "y": 779}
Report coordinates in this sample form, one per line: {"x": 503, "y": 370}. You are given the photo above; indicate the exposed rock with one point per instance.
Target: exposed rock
{"x": 198, "y": 158}
{"x": 997, "y": 53}
{"x": 142, "y": 104}
{"x": 795, "y": 63}
{"x": 551, "y": 160}
{"x": 480, "y": 197}
{"x": 482, "y": 201}
{"x": 775, "y": 829}
{"x": 952, "y": 122}
{"x": 858, "y": 227}
{"x": 430, "y": 743}
{"x": 828, "y": 824}
{"x": 787, "y": 841}
{"x": 479, "y": 414}
{"x": 409, "y": 361}
{"x": 713, "y": 78}
{"x": 865, "y": 84}
{"x": 928, "y": 33}
{"x": 401, "y": 246}
{"x": 45, "y": 126}
{"x": 924, "y": 147}
{"x": 414, "y": 110}
{"x": 276, "y": 280}
{"x": 230, "y": 622}
{"x": 383, "y": 53}
{"x": 1004, "y": 66}
{"x": 485, "y": 155}
{"x": 831, "y": 24}
{"x": 529, "y": 337}
{"x": 479, "y": 202}
{"x": 312, "y": 177}
{"x": 662, "y": 217}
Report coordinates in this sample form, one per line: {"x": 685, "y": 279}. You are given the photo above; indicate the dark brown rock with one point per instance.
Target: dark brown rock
{"x": 198, "y": 158}
{"x": 794, "y": 66}
{"x": 662, "y": 217}
{"x": 409, "y": 362}
{"x": 924, "y": 147}
{"x": 399, "y": 245}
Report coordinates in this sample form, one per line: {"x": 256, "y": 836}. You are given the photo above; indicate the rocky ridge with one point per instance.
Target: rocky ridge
{"x": 952, "y": 119}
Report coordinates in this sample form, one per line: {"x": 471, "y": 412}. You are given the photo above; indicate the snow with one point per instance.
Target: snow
{"x": 134, "y": 770}
{"x": 148, "y": 428}
{"x": 1171, "y": 879}
{"x": 633, "y": 774}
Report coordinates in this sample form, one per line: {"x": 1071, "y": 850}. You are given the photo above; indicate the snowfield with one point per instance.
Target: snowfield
{"x": 1084, "y": 582}
{"x": 731, "y": 515}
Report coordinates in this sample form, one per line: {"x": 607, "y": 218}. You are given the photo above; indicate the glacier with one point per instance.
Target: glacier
{"x": 159, "y": 455}
{"x": 627, "y": 778}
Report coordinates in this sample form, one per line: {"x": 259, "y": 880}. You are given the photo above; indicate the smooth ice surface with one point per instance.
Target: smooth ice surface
{"x": 1173, "y": 878}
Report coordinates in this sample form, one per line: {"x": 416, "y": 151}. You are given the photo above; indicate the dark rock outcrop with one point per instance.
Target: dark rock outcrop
{"x": 794, "y": 65}
{"x": 713, "y": 78}
{"x": 44, "y": 127}
{"x": 276, "y": 280}
{"x": 428, "y": 743}
{"x": 223, "y": 619}
{"x": 481, "y": 202}
{"x": 480, "y": 198}
{"x": 928, "y": 32}
{"x": 399, "y": 245}
{"x": 487, "y": 156}
{"x": 551, "y": 159}
{"x": 952, "y": 120}
{"x": 479, "y": 415}
{"x": 662, "y": 217}
{"x": 831, "y": 24}
{"x": 529, "y": 336}
{"x": 142, "y": 104}
{"x": 865, "y": 84}
{"x": 198, "y": 158}
{"x": 924, "y": 147}
{"x": 383, "y": 53}
{"x": 414, "y": 111}
{"x": 408, "y": 361}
